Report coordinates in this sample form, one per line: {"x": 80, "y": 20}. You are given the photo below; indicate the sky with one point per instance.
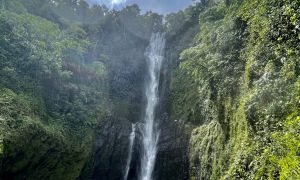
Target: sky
{"x": 159, "y": 6}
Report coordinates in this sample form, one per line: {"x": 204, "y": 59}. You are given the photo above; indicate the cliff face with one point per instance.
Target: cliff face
{"x": 231, "y": 85}
{"x": 109, "y": 151}
{"x": 229, "y": 94}
{"x": 172, "y": 158}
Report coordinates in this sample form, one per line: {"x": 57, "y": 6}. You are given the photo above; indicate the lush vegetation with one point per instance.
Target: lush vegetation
{"x": 241, "y": 78}
{"x": 67, "y": 67}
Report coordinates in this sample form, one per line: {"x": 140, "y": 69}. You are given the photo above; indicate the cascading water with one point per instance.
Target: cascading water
{"x": 130, "y": 149}
{"x": 150, "y": 132}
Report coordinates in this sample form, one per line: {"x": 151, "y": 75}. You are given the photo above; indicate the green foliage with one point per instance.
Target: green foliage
{"x": 243, "y": 67}
{"x": 281, "y": 157}
{"x": 214, "y": 74}
{"x": 206, "y": 147}
{"x": 13, "y": 5}
{"x": 287, "y": 144}
{"x": 29, "y": 49}
{"x": 64, "y": 68}
{"x": 181, "y": 28}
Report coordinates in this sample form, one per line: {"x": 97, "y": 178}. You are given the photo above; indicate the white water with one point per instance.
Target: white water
{"x": 131, "y": 143}
{"x": 150, "y": 133}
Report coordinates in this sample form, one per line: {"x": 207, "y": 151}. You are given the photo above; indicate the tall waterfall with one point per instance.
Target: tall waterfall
{"x": 130, "y": 149}
{"x": 150, "y": 132}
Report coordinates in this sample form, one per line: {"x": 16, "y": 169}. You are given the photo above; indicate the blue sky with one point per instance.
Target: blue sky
{"x": 159, "y": 6}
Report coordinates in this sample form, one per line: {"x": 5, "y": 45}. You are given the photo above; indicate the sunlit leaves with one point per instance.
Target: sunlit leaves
{"x": 251, "y": 54}
{"x": 282, "y": 155}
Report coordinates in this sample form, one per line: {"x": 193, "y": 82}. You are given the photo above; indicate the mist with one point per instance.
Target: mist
{"x": 158, "y": 6}
{"x": 149, "y": 89}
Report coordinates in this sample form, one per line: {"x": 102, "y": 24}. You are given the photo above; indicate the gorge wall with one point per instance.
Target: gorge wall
{"x": 236, "y": 85}
{"x": 72, "y": 84}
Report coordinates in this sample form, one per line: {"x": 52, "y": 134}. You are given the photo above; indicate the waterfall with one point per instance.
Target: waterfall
{"x": 150, "y": 132}
{"x": 130, "y": 149}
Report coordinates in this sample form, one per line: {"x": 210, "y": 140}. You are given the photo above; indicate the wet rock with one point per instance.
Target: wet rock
{"x": 110, "y": 149}
{"x": 172, "y": 159}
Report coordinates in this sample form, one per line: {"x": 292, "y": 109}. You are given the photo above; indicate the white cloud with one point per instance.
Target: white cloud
{"x": 117, "y": 2}
{"x": 109, "y": 3}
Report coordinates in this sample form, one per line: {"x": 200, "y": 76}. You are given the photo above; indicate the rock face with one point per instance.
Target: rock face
{"x": 172, "y": 160}
{"x": 109, "y": 156}
{"x": 110, "y": 149}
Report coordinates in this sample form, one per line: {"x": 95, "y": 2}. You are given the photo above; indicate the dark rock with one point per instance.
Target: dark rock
{"x": 172, "y": 159}
{"x": 110, "y": 151}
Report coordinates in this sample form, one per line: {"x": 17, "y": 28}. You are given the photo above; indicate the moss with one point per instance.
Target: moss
{"x": 37, "y": 153}
{"x": 32, "y": 148}
{"x": 206, "y": 146}
{"x": 1, "y": 148}
{"x": 247, "y": 76}
{"x": 244, "y": 63}
{"x": 217, "y": 153}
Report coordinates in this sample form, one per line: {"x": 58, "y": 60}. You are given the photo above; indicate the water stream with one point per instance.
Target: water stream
{"x": 150, "y": 131}
{"x": 130, "y": 150}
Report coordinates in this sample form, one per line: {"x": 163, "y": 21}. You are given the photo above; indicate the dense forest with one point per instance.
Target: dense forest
{"x": 72, "y": 80}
